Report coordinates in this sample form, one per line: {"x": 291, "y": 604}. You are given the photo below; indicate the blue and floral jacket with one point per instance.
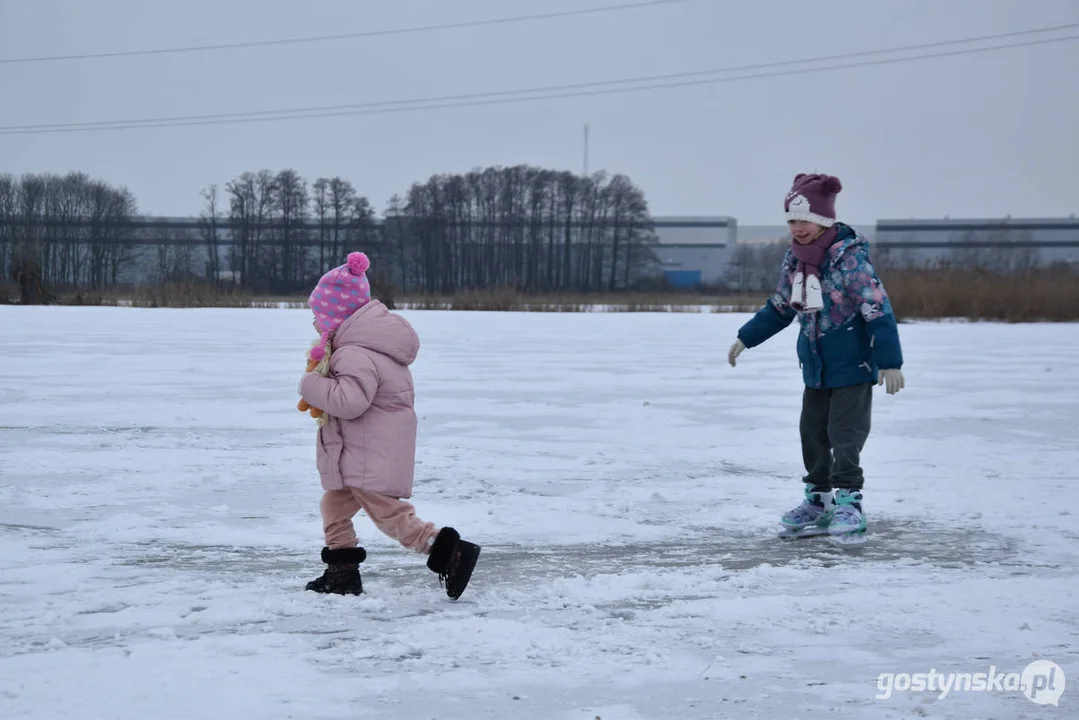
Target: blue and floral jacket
{"x": 853, "y": 336}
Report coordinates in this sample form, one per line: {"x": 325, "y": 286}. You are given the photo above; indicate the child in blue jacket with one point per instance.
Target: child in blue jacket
{"x": 848, "y": 343}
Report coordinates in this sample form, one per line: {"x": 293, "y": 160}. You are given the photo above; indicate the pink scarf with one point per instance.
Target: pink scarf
{"x": 806, "y": 293}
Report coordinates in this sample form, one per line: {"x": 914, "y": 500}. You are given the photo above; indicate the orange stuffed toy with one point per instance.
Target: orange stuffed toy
{"x": 322, "y": 367}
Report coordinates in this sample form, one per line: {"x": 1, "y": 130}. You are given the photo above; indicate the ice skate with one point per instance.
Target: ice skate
{"x": 848, "y": 526}
{"x": 811, "y": 517}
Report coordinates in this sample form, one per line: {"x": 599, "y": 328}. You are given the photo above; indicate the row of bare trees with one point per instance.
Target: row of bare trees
{"x": 282, "y": 231}
{"x": 523, "y": 227}
{"x": 529, "y": 228}
{"x": 267, "y": 232}
{"x": 62, "y": 231}
{"x": 755, "y": 267}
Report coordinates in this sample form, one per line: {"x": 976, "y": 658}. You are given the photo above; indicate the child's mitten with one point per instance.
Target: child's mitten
{"x": 893, "y": 380}
{"x": 735, "y": 351}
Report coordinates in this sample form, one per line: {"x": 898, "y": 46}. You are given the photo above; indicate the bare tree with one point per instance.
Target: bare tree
{"x": 320, "y": 204}
{"x": 175, "y": 254}
{"x": 63, "y": 232}
{"x": 365, "y": 234}
{"x": 210, "y": 220}
{"x": 741, "y": 272}
{"x": 396, "y": 232}
{"x": 291, "y": 206}
{"x": 8, "y": 190}
{"x": 120, "y": 209}
{"x": 252, "y": 198}
{"x": 241, "y": 193}
{"x": 768, "y": 258}
{"x": 342, "y": 202}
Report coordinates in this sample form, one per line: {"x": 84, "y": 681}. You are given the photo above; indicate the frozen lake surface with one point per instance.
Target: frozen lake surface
{"x": 159, "y": 518}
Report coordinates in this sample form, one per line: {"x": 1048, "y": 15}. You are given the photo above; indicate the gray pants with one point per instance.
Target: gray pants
{"x": 834, "y": 427}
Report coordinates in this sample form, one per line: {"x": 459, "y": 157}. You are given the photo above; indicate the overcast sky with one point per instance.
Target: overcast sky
{"x": 976, "y": 135}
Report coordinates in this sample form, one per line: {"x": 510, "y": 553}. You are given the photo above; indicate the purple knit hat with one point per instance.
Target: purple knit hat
{"x": 339, "y": 293}
{"x": 812, "y": 198}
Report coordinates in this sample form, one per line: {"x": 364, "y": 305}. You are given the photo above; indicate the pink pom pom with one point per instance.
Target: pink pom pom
{"x": 318, "y": 352}
{"x": 358, "y": 263}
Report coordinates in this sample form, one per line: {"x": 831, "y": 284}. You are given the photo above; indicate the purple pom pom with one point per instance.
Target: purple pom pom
{"x": 358, "y": 263}
{"x": 831, "y": 185}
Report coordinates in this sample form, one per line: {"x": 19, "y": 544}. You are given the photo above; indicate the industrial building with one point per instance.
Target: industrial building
{"x": 698, "y": 250}
{"x": 1026, "y": 241}
{"x": 694, "y": 251}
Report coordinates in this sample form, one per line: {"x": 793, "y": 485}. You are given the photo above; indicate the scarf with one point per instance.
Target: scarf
{"x": 806, "y": 295}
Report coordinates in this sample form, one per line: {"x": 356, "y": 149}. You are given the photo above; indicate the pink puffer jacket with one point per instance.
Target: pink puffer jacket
{"x": 369, "y": 441}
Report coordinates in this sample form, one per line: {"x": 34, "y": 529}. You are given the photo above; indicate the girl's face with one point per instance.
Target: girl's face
{"x": 805, "y": 232}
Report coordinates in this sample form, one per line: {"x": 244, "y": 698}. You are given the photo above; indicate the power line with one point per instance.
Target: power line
{"x": 549, "y": 88}
{"x": 344, "y": 36}
{"x": 497, "y": 97}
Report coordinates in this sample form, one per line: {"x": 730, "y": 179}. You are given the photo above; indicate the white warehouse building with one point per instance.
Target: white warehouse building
{"x": 694, "y": 250}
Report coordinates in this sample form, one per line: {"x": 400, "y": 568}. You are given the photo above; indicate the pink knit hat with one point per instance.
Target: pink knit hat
{"x": 339, "y": 293}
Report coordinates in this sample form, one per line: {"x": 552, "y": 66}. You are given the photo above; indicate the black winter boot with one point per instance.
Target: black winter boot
{"x": 342, "y": 575}
{"x": 453, "y": 559}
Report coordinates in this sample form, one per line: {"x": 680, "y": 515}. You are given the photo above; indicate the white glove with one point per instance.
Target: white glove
{"x": 735, "y": 351}
{"x": 892, "y": 380}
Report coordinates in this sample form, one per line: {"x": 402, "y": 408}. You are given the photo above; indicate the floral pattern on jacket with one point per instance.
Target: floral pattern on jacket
{"x": 855, "y": 301}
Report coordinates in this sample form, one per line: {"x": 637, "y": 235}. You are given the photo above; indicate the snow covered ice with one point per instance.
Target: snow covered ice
{"x": 159, "y": 518}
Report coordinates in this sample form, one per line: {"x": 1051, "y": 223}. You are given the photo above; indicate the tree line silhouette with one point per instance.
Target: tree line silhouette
{"x": 521, "y": 227}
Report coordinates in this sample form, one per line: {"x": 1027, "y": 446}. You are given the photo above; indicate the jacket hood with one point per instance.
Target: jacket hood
{"x": 373, "y": 327}
{"x": 846, "y": 239}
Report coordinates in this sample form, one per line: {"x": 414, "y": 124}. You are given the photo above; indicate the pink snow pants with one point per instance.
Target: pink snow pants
{"x": 395, "y": 517}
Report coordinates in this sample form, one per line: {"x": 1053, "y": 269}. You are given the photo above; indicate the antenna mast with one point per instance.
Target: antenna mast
{"x": 586, "y": 150}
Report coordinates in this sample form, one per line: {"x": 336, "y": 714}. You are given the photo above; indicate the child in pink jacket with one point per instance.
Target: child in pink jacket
{"x": 367, "y": 443}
